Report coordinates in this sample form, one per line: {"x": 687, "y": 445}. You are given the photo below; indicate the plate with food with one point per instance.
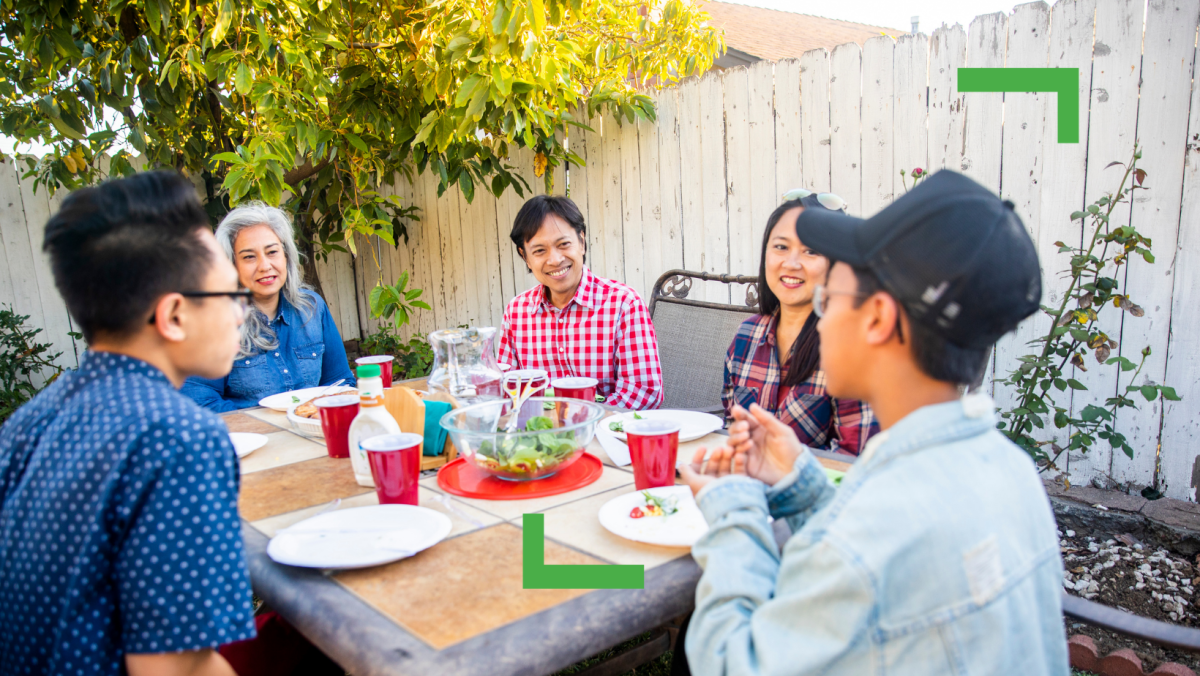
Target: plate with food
{"x": 692, "y": 424}
{"x": 245, "y": 443}
{"x": 666, "y": 516}
{"x": 359, "y": 537}
{"x": 306, "y": 417}
{"x": 284, "y": 400}
{"x": 835, "y": 476}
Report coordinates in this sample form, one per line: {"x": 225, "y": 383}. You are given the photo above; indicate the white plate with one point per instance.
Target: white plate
{"x": 282, "y": 401}
{"x": 680, "y": 529}
{"x": 692, "y": 424}
{"x": 246, "y": 443}
{"x": 309, "y": 426}
{"x": 360, "y": 537}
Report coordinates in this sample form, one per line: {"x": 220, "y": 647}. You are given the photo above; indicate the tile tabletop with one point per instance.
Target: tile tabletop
{"x": 449, "y": 607}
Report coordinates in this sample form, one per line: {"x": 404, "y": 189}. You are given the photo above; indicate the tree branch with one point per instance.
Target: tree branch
{"x": 295, "y": 176}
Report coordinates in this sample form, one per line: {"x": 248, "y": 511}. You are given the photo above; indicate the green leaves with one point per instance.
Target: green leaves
{"x": 537, "y": 16}
{"x": 221, "y": 25}
{"x": 395, "y": 301}
{"x": 357, "y": 142}
{"x": 243, "y": 80}
{"x": 1041, "y": 378}
{"x": 322, "y": 105}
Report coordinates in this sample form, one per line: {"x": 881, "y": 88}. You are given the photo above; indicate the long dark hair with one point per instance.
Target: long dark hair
{"x": 805, "y": 355}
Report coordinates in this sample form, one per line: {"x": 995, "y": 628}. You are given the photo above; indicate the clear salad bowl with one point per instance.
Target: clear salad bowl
{"x": 551, "y": 435}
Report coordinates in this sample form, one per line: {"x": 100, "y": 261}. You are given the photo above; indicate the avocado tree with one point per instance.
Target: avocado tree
{"x": 316, "y": 103}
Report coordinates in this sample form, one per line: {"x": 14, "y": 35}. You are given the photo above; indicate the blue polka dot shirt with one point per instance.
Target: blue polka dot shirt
{"x": 119, "y": 530}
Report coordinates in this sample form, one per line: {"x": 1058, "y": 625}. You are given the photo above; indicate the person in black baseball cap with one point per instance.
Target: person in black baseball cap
{"x": 938, "y": 552}
{"x": 952, "y": 254}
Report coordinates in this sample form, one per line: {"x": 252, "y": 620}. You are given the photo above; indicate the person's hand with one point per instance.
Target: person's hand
{"x": 770, "y": 447}
{"x": 744, "y": 430}
{"x": 723, "y": 462}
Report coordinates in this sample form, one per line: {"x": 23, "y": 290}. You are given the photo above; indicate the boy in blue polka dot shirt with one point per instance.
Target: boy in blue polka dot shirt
{"x": 120, "y": 544}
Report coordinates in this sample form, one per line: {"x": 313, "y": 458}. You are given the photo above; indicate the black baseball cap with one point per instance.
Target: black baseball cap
{"x": 950, "y": 251}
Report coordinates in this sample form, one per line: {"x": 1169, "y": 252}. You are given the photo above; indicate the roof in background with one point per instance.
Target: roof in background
{"x": 773, "y": 35}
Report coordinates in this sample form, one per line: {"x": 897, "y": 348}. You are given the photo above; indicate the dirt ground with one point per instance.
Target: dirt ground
{"x": 1134, "y": 576}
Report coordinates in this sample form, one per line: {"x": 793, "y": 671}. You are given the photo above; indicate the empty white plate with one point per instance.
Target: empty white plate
{"x": 359, "y": 537}
{"x": 282, "y": 401}
{"x": 246, "y": 443}
{"x": 680, "y": 529}
{"x": 692, "y": 424}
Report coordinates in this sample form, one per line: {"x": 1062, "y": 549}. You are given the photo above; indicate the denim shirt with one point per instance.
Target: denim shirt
{"x": 310, "y": 353}
{"x": 936, "y": 555}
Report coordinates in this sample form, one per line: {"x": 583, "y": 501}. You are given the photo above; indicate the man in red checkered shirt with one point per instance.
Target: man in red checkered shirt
{"x": 575, "y": 323}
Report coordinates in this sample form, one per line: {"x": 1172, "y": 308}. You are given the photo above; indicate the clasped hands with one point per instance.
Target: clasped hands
{"x": 760, "y": 446}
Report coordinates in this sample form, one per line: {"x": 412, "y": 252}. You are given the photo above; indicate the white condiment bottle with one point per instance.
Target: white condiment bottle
{"x": 372, "y": 420}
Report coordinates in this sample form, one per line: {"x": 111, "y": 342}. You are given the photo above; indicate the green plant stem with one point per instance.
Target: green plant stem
{"x": 1115, "y": 406}
{"x": 1028, "y": 393}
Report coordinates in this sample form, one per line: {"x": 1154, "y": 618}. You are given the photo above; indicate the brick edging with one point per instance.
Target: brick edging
{"x": 1084, "y": 655}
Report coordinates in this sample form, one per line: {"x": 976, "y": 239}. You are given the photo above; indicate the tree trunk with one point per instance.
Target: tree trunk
{"x": 310, "y": 266}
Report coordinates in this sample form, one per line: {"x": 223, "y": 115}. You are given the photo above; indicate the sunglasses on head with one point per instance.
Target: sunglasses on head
{"x": 827, "y": 199}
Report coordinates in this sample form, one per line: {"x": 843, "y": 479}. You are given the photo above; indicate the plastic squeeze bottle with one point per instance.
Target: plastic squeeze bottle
{"x": 372, "y": 420}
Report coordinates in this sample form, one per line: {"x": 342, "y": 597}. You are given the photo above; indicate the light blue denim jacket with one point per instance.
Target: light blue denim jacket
{"x": 937, "y": 555}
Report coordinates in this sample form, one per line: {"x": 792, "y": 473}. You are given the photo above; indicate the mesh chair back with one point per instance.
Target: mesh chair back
{"x": 692, "y": 343}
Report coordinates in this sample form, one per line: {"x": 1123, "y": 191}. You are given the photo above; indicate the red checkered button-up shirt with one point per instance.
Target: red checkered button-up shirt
{"x": 604, "y": 332}
{"x": 753, "y": 375}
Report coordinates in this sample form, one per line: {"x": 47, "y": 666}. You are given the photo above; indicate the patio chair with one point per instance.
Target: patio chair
{"x": 694, "y": 336}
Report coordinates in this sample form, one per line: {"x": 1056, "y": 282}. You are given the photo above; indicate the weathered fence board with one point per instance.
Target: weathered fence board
{"x": 1024, "y": 118}
{"x": 910, "y": 146}
{"x": 814, "y": 117}
{"x": 947, "y": 53}
{"x": 1112, "y": 130}
{"x": 877, "y": 108}
{"x": 1170, "y": 32}
{"x": 845, "y": 119}
{"x": 1177, "y": 473}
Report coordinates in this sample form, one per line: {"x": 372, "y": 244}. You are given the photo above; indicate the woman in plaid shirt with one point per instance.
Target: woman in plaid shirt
{"x": 785, "y": 332}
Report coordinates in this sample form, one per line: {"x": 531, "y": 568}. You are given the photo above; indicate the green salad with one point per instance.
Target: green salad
{"x": 619, "y": 426}
{"x": 530, "y": 454}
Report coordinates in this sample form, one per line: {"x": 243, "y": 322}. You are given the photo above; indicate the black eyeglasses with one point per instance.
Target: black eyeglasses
{"x": 821, "y": 295}
{"x": 242, "y": 297}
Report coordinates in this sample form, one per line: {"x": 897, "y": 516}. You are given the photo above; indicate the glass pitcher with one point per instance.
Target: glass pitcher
{"x": 464, "y": 364}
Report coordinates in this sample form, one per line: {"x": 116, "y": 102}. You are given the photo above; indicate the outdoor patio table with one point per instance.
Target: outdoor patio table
{"x": 458, "y": 607}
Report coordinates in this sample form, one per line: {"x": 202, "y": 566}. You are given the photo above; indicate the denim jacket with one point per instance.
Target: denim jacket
{"x": 936, "y": 555}
{"x": 310, "y": 353}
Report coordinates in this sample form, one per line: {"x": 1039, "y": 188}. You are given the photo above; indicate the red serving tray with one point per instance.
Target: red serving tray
{"x": 466, "y": 480}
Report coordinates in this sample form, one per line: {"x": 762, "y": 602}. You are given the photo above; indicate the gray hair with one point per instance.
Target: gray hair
{"x": 257, "y": 334}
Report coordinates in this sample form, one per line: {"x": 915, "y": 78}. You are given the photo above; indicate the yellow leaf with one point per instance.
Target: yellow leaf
{"x": 539, "y": 165}
{"x": 537, "y": 15}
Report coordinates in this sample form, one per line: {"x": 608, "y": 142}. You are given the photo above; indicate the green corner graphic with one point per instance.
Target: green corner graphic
{"x": 535, "y": 574}
{"x": 1064, "y": 81}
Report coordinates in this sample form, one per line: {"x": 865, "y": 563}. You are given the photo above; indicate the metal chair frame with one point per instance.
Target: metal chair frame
{"x": 674, "y": 285}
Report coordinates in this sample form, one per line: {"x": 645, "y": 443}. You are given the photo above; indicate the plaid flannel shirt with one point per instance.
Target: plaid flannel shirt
{"x": 604, "y": 332}
{"x": 753, "y": 375}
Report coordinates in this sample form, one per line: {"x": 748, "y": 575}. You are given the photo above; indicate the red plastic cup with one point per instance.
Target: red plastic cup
{"x": 336, "y": 415}
{"x": 576, "y": 388}
{"x": 653, "y": 447}
{"x": 395, "y": 467}
{"x": 385, "y": 366}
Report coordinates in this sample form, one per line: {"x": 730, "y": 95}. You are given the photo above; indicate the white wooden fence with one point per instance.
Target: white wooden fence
{"x": 694, "y": 190}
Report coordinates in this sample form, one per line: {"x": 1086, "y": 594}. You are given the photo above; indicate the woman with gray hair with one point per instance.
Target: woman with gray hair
{"x": 289, "y": 340}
